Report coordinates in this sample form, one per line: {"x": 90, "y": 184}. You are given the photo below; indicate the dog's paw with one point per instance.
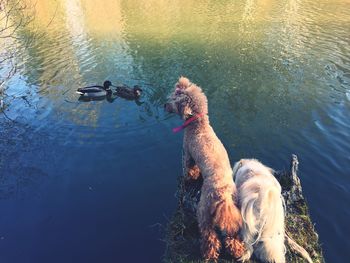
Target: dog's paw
{"x": 235, "y": 247}
{"x": 193, "y": 173}
{"x": 211, "y": 254}
{"x": 245, "y": 257}
{"x": 211, "y": 257}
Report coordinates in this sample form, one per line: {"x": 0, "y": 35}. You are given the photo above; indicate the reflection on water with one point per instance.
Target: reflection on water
{"x": 277, "y": 76}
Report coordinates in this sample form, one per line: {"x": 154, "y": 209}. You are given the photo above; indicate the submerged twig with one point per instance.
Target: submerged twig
{"x": 6, "y": 116}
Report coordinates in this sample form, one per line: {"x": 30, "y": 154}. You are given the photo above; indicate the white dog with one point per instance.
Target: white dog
{"x": 262, "y": 209}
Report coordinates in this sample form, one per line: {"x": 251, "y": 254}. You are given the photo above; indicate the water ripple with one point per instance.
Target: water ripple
{"x": 276, "y": 73}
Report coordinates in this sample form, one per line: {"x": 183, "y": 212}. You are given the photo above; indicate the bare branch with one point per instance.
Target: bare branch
{"x": 13, "y": 16}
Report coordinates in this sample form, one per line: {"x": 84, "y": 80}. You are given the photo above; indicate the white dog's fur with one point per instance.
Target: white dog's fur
{"x": 262, "y": 209}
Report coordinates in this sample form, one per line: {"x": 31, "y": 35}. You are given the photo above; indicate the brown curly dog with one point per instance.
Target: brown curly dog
{"x": 205, "y": 154}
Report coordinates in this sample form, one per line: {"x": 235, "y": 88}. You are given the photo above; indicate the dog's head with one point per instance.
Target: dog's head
{"x": 187, "y": 100}
{"x": 247, "y": 168}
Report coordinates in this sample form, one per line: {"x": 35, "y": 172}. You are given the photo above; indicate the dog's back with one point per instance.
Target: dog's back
{"x": 259, "y": 194}
{"x": 217, "y": 208}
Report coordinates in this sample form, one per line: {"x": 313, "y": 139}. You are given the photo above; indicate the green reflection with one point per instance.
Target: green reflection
{"x": 258, "y": 61}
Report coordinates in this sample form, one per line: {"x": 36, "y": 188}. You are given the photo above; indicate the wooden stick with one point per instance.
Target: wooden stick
{"x": 298, "y": 249}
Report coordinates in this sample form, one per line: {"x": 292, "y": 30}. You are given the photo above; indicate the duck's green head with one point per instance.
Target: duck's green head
{"x": 137, "y": 91}
{"x": 107, "y": 84}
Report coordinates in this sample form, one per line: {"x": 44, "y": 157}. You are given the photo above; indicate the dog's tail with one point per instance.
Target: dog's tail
{"x": 227, "y": 216}
{"x": 263, "y": 214}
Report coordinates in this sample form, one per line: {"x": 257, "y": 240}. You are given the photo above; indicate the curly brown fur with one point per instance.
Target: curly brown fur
{"x": 205, "y": 154}
{"x": 234, "y": 247}
{"x": 193, "y": 173}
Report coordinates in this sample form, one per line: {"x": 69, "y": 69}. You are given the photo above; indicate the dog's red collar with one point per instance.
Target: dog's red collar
{"x": 188, "y": 122}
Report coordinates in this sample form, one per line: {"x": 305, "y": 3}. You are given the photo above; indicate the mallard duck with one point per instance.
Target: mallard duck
{"x": 96, "y": 90}
{"x": 128, "y": 93}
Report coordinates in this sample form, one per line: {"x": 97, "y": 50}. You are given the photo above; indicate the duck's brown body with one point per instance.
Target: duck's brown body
{"x": 128, "y": 93}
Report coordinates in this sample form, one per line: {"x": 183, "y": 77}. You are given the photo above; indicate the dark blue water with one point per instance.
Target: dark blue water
{"x": 85, "y": 203}
{"x": 95, "y": 181}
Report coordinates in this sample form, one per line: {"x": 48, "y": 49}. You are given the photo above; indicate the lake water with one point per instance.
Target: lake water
{"x": 93, "y": 182}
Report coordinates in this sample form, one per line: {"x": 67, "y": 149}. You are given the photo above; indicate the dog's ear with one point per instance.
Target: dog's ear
{"x": 182, "y": 84}
{"x": 187, "y": 112}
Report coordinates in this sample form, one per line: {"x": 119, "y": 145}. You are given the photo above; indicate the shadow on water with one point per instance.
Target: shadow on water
{"x": 110, "y": 98}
